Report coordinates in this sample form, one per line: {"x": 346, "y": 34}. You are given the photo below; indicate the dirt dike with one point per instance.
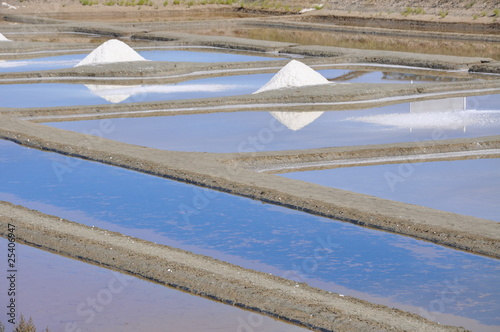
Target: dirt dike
{"x": 40, "y": 23}
{"x": 174, "y": 72}
{"x": 244, "y": 44}
{"x": 328, "y": 97}
{"x": 414, "y": 23}
{"x": 301, "y": 23}
{"x": 207, "y": 277}
{"x": 214, "y": 171}
{"x": 356, "y": 155}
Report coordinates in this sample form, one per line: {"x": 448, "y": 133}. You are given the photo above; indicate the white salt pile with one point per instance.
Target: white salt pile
{"x": 3, "y": 38}
{"x": 296, "y": 120}
{"x": 110, "y": 52}
{"x": 294, "y": 74}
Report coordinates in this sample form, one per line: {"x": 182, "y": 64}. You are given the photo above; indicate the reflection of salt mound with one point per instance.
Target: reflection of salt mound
{"x": 110, "y": 52}
{"x": 440, "y": 105}
{"x": 118, "y": 93}
{"x": 442, "y": 120}
{"x": 294, "y": 74}
{"x": 112, "y": 93}
{"x": 296, "y": 120}
{"x": 3, "y": 38}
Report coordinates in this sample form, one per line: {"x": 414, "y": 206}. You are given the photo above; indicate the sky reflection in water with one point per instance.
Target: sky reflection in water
{"x": 341, "y": 257}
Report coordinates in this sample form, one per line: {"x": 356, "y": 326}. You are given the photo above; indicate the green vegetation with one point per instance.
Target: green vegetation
{"x": 413, "y": 11}
{"x": 475, "y": 16}
{"x": 496, "y": 12}
{"x": 483, "y": 13}
{"x": 443, "y": 13}
{"x": 23, "y": 326}
{"x": 89, "y": 2}
{"x": 260, "y": 4}
{"x": 470, "y": 4}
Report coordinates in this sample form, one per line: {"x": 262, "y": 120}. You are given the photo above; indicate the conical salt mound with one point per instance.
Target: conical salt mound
{"x": 294, "y": 74}
{"x": 3, "y": 38}
{"x": 296, "y": 120}
{"x": 110, "y": 52}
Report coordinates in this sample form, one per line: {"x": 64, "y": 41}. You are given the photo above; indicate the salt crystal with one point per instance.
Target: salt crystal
{"x": 3, "y": 38}
{"x": 294, "y": 74}
{"x": 110, "y": 52}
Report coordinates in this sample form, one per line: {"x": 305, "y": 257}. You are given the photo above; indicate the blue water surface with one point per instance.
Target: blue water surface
{"x": 70, "y": 60}
{"x": 55, "y": 292}
{"x": 470, "y": 187}
{"x": 261, "y": 131}
{"x": 341, "y": 257}
{"x": 61, "y": 94}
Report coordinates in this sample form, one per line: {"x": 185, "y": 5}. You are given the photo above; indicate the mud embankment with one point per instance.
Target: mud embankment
{"x": 207, "y": 277}
{"x": 329, "y": 97}
{"x": 217, "y": 172}
{"x": 406, "y": 23}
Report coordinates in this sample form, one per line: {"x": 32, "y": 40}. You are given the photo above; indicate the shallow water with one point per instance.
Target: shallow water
{"x": 61, "y": 94}
{"x": 439, "y": 283}
{"x": 362, "y": 41}
{"x": 470, "y": 187}
{"x": 261, "y": 131}
{"x": 54, "y": 291}
{"x": 68, "y": 61}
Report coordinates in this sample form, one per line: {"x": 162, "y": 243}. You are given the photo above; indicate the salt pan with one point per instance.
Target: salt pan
{"x": 294, "y": 74}
{"x": 3, "y": 38}
{"x": 110, "y": 52}
{"x": 441, "y": 120}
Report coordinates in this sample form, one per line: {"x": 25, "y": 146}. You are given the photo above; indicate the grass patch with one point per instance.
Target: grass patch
{"x": 413, "y": 11}
{"x": 443, "y": 13}
{"x": 496, "y": 12}
{"x": 23, "y": 326}
{"x": 89, "y": 2}
{"x": 470, "y": 4}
